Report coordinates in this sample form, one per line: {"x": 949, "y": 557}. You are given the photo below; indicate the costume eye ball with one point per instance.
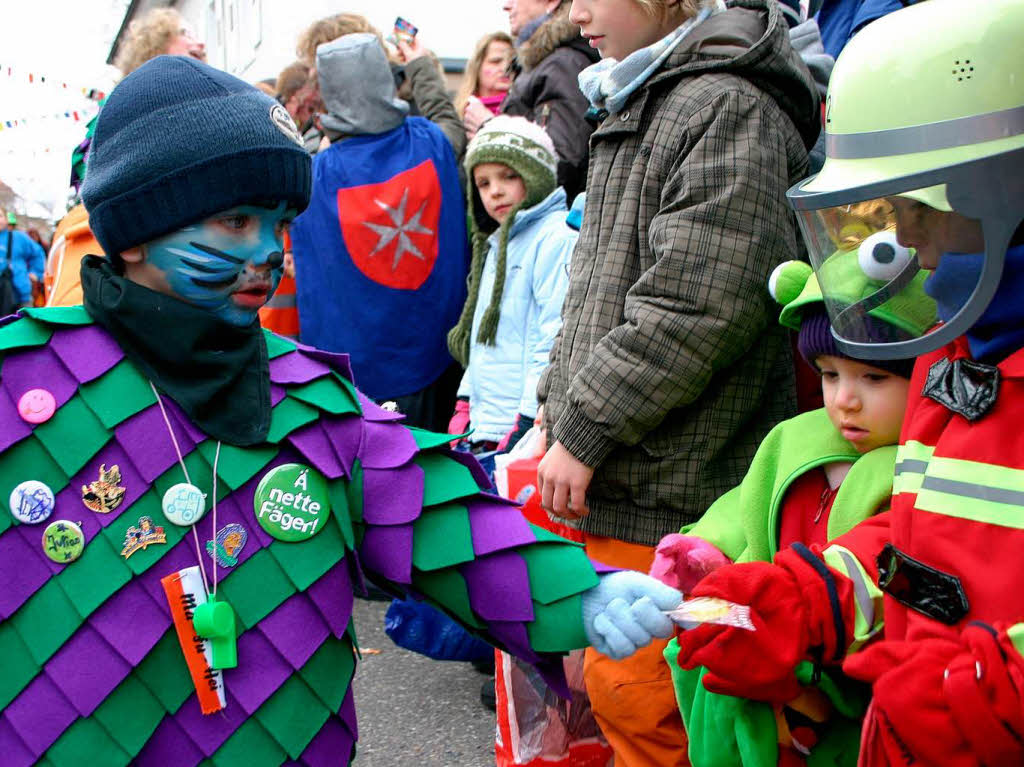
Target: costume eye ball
{"x": 881, "y": 257}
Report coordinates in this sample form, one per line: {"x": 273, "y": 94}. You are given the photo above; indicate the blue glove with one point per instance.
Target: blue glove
{"x": 623, "y": 612}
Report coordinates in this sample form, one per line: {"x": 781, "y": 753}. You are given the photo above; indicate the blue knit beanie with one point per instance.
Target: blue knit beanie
{"x": 178, "y": 141}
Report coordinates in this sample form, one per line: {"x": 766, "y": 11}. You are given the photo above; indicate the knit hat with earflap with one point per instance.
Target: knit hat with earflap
{"x": 178, "y": 141}
{"x": 861, "y": 272}
{"x": 527, "y": 149}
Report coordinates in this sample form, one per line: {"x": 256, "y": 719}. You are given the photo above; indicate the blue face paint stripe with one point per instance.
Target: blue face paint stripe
{"x": 204, "y": 268}
{"x": 214, "y": 252}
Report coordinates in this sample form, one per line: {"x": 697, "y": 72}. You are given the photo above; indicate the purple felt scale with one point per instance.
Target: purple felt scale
{"x": 86, "y": 669}
{"x": 386, "y": 445}
{"x": 346, "y": 435}
{"x": 210, "y": 732}
{"x": 295, "y": 368}
{"x": 277, "y": 393}
{"x": 40, "y": 714}
{"x": 337, "y": 361}
{"x": 312, "y": 441}
{"x": 181, "y": 422}
{"x": 23, "y": 565}
{"x": 496, "y": 526}
{"x": 12, "y": 426}
{"x": 131, "y": 621}
{"x": 296, "y": 629}
{"x": 332, "y": 745}
{"x": 88, "y": 352}
{"x": 38, "y": 368}
{"x": 392, "y": 496}
{"x": 499, "y": 587}
{"x": 475, "y": 469}
{"x": 69, "y": 500}
{"x": 373, "y": 413}
{"x": 16, "y": 753}
{"x": 388, "y": 551}
{"x": 145, "y": 437}
{"x": 514, "y": 637}
{"x": 170, "y": 746}
{"x": 252, "y": 690}
{"x": 334, "y": 597}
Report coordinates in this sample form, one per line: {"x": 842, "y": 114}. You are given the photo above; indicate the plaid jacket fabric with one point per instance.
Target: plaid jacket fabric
{"x": 670, "y": 366}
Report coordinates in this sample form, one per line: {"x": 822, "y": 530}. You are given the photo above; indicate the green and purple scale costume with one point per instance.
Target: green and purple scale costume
{"x": 92, "y": 669}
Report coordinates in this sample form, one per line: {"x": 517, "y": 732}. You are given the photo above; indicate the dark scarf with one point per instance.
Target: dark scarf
{"x": 218, "y": 373}
{"x": 1000, "y": 330}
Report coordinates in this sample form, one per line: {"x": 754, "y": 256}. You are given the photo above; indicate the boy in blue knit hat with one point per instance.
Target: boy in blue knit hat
{"x": 187, "y": 491}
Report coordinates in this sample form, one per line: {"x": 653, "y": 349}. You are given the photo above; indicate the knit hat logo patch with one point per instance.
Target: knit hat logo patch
{"x": 284, "y": 123}
{"x": 390, "y": 228}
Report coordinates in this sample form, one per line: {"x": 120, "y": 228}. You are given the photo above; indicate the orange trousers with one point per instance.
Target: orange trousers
{"x": 633, "y": 699}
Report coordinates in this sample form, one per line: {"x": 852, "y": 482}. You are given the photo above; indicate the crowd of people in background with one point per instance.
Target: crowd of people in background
{"x": 593, "y": 237}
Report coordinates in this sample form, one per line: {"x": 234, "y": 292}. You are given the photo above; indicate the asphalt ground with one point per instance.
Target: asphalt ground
{"x": 413, "y": 710}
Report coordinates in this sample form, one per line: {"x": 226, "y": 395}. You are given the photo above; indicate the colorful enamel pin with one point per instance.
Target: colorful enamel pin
{"x": 230, "y": 540}
{"x": 137, "y": 538}
{"x": 105, "y": 494}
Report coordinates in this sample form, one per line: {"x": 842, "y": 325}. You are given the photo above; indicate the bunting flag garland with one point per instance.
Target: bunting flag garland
{"x": 93, "y": 94}
{"x": 70, "y": 114}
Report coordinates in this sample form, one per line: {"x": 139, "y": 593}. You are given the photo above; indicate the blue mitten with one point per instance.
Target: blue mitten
{"x": 623, "y": 612}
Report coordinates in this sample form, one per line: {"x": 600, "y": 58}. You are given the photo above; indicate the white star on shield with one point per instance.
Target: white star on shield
{"x": 401, "y": 229}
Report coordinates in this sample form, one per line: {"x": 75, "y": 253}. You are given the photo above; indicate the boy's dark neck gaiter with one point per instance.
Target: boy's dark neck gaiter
{"x": 218, "y": 373}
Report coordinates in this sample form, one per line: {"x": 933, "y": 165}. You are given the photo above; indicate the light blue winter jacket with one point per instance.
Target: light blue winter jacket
{"x": 501, "y": 380}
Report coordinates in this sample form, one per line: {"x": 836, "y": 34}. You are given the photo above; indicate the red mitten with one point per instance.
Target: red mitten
{"x": 682, "y": 561}
{"x": 459, "y": 423}
{"x": 796, "y": 605}
{"x": 943, "y": 701}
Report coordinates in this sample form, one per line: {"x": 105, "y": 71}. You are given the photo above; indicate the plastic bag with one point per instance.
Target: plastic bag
{"x": 423, "y": 629}
{"x": 536, "y": 727}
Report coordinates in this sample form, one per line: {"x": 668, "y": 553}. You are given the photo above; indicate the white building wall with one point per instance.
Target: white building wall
{"x": 255, "y": 39}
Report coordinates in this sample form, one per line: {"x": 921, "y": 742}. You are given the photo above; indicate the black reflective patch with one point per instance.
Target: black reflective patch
{"x": 963, "y": 386}
{"x": 930, "y": 591}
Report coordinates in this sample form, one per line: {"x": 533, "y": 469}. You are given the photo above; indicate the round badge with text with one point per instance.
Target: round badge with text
{"x": 291, "y": 502}
{"x": 63, "y": 541}
{"x": 184, "y": 504}
{"x": 31, "y": 502}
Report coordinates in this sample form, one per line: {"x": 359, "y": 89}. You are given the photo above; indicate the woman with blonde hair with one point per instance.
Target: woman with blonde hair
{"x": 162, "y": 31}
{"x": 487, "y": 79}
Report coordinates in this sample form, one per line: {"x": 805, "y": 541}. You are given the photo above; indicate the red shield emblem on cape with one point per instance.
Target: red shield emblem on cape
{"x": 390, "y": 229}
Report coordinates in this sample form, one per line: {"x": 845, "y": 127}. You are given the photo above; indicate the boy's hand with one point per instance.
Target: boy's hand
{"x": 563, "y": 481}
{"x": 624, "y": 612}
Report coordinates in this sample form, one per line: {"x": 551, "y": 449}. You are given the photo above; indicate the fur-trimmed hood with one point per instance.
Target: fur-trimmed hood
{"x": 554, "y": 33}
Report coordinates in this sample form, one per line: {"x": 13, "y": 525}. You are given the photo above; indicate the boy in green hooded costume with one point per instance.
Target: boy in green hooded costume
{"x": 813, "y": 478}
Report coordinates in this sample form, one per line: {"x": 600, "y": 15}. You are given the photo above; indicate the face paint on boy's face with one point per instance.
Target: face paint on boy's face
{"x": 228, "y": 264}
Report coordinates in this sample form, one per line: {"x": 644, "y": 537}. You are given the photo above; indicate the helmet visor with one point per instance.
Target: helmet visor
{"x": 907, "y": 265}
{"x": 873, "y": 287}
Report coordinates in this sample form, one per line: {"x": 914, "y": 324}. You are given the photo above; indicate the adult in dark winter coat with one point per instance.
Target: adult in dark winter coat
{"x": 551, "y": 54}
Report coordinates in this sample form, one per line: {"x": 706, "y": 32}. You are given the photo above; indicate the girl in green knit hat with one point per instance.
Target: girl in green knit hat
{"x": 517, "y": 282}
